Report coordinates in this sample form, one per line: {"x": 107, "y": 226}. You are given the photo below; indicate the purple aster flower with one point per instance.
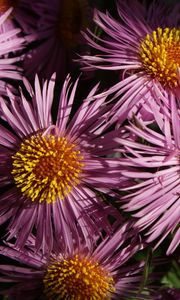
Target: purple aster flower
{"x": 10, "y": 43}
{"x": 143, "y": 45}
{"x": 152, "y": 156}
{"x": 58, "y": 35}
{"x": 83, "y": 272}
{"x": 54, "y": 173}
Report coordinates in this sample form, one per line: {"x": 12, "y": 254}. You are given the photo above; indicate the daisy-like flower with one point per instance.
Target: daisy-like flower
{"x": 84, "y": 272}
{"x": 10, "y": 43}
{"x": 58, "y": 35}
{"x": 143, "y": 45}
{"x": 152, "y": 156}
{"x": 55, "y": 172}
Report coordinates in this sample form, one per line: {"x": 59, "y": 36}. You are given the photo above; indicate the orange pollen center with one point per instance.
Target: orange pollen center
{"x": 6, "y": 4}
{"x": 72, "y": 19}
{"x": 77, "y": 279}
{"x": 46, "y": 168}
{"x": 160, "y": 55}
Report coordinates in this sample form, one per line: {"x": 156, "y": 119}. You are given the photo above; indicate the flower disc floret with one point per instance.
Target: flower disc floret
{"x": 46, "y": 167}
{"x": 160, "y": 55}
{"x": 77, "y": 278}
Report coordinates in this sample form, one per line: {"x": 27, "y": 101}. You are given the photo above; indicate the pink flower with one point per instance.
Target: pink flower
{"x": 10, "y": 43}
{"x": 143, "y": 45}
{"x": 55, "y": 172}
{"x": 87, "y": 271}
{"x": 152, "y": 156}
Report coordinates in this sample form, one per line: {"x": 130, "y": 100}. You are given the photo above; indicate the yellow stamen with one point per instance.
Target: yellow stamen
{"x": 46, "y": 167}
{"x": 160, "y": 55}
{"x": 78, "y": 279}
{"x": 73, "y": 18}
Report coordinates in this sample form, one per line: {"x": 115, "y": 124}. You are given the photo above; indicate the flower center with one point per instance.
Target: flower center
{"x": 78, "y": 279}
{"x": 73, "y": 18}
{"x": 46, "y": 167}
{"x": 160, "y": 55}
{"x": 5, "y": 4}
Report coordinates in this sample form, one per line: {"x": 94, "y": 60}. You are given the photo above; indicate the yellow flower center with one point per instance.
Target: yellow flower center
{"x": 160, "y": 55}
{"x": 72, "y": 19}
{"x": 5, "y": 4}
{"x": 77, "y": 279}
{"x": 46, "y": 167}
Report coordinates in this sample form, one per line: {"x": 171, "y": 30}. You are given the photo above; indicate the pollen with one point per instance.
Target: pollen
{"x": 78, "y": 279}
{"x": 160, "y": 55}
{"x": 6, "y": 4}
{"x": 72, "y": 19}
{"x": 46, "y": 168}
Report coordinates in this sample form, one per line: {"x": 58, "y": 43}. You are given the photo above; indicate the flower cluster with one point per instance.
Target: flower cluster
{"x": 89, "y": 177}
